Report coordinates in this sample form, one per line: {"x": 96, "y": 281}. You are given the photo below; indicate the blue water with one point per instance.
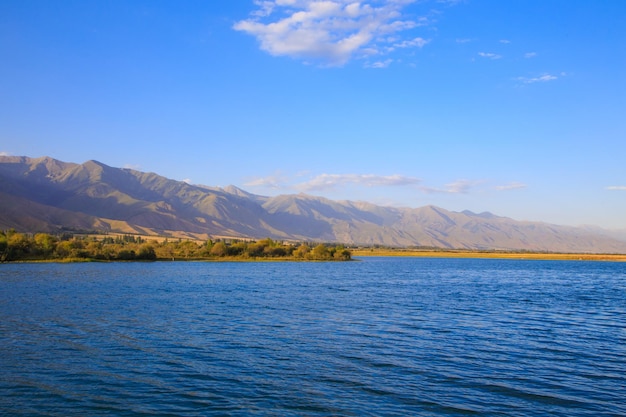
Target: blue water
{"x": 378, "y": 337}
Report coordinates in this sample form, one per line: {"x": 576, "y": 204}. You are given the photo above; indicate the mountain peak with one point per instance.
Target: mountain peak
{"x": 44, "y": 194}
{"x": 482, "y": 215}
{"x": 231, "y": 189}
{"x": 93, "y": 162}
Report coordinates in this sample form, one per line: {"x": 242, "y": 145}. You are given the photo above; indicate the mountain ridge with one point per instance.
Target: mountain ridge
{"x": 47, "y": 195}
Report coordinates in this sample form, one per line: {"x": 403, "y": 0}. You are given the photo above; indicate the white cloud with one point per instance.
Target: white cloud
{"x": 273, "y": 181}
{"x": 511, "y": 186}
{"x": 541, "y": 79}
{"x": 187, "y": 181}
{"x": 489, "y": 55}
{"x": 617, "y": 188}
{"x": 530, "y": 54}
{"x": 411, "y": 43}
{"x": 380, "y": 64}
{"x": 331, "y": 31}
{"x": 135, "y": 167}
{"x": 5, "y": 154}
{"x": 456, "y": 187}
{"x": 327, "y": 181}
{"x": 330, "y": 181}
{"x": 505, "y": 41}
{"x": 460, "y": 186}
{"x": 265, "y": 8}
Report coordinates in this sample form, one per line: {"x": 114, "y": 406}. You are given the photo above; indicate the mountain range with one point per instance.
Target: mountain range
{"x": 48, "y": 195}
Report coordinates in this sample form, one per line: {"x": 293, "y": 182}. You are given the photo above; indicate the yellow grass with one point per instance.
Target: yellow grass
{"x": 487, "y": 254}
{"x": 172, "y": 236}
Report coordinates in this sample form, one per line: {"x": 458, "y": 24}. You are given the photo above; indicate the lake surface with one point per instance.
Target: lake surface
{"x": 378, "y": 337}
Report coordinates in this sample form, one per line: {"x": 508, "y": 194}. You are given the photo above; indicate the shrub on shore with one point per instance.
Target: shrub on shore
{"x": 16, "y": 246}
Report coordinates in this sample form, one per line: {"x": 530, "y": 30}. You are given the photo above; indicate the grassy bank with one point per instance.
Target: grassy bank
{"x": 487, "y": 254}
{"x": 16, "y": 247}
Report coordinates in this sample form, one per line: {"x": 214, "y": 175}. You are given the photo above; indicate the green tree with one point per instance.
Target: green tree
{"x": 165, "y": 250}
{"x": 19, "y": 246}
{"x": 219, "y": 249}
{"x": 320, "y": 252}
{"x": 236, "y": 249}
{"x": 126, "y": 255}
{"x": 45, "y": 243}
{"x": 302, "y": 251}
{"x": 187, "y": 249}
{"x": 146, "y": 253}
{"x": 275, "y": 251}
{"x": 63, "y": 249}
{"x": 342, "y": 254}
{"x": 255, "y": 249}
{"x": 4, "y": 248}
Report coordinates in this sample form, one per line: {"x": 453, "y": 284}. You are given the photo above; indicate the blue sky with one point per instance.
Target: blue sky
{"x": 512, "y": 107}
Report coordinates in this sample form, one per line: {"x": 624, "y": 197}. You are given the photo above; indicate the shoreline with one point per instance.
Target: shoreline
{"x": 417, "y": 253}
{"x": 168, "y": 260}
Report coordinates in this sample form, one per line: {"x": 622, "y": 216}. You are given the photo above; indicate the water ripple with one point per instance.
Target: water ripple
{"x": 380, "y": 337}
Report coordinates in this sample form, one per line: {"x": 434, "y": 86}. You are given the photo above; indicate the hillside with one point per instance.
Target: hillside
{"x": 47, "y": 195}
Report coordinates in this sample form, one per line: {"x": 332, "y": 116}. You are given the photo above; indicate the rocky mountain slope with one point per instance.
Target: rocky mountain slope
{"x": 44, "y": 194}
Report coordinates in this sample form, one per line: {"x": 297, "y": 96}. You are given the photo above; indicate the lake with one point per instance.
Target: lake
{"x": 376, "y": 337}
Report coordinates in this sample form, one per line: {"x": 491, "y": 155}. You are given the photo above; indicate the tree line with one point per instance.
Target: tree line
{"x": 16, "y": 246}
